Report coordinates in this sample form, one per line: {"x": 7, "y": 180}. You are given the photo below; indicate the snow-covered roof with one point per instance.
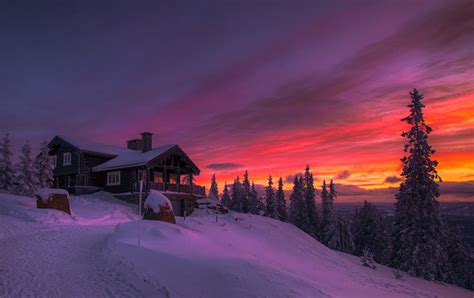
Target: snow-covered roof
{"x": 46, "y": 193}
{"x": 156, "y": 199}
{"x": 94, "y": 147}
{"x": 133, "y": 158}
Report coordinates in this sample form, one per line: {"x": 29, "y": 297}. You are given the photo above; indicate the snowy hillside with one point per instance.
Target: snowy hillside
{"x": 94, "y": 253}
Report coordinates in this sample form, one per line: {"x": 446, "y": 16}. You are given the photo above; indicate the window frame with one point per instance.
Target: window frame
{"x": 113, "y": 178}
{"x": 69, "y": 162}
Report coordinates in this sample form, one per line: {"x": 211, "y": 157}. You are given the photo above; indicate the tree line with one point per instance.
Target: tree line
{"x": 417, "y": 241}
{"x": 29, "y": 174}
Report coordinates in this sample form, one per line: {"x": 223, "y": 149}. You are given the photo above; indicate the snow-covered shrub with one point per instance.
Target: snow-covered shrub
{"x": 367, "y": 259}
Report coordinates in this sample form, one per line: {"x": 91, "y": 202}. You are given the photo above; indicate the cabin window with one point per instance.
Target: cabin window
{"x": 113, "y": 178}
{"x": 158, "y": 177}
{"x": 173, "y": 178}
{"x": 54, "y": 160}
{"x": 67, "y": 159}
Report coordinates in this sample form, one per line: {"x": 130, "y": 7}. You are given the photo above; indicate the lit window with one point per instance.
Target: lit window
{"x": 113, "y": 178}
{"x": 54, "y": 160}
{"x": 67, "y": 159}
{"x": 158, "y": 177}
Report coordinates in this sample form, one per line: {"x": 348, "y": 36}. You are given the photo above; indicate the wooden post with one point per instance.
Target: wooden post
{"x": 191, "y": 182}
{"x": 178, "y": 180}
{"x": 165, "y": 176}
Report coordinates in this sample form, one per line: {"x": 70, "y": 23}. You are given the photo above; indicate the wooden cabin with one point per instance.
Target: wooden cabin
{"x": 79, "y": 164}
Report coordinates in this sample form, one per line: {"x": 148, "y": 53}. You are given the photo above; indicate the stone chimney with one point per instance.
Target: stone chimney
{"x": 135, "y": 144}
{"x": 146, "y": 142}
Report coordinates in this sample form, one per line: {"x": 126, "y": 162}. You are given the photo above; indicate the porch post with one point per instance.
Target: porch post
{"x": 165, "y": 176}
{"x": 191, "y": 182}
{"x": 178, "y": 180}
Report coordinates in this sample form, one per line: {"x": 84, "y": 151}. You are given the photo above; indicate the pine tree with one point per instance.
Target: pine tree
{"x": 417, "y": 239}
{"x": 44, "y": 168}
{"x": 253, "y": 200}
{"x": 329, "y": 232}
{"x": 460, "y": 264}
{"x": 370, "y": 232}
{"x": 246, "y": 192}
{"x": 280, "y": 202}
{"x": 345, "y": 239}
{"x": 298, "y": 214}
{"x": 225, "y": 200}
{"x": 213, "y": 191}
{"x": 26, "y": 175}
{"x": 270, "y": 206}
{"x": 310, "y": 201}
{"x": 7, "y": 171}
{"x": 236, "y": 196}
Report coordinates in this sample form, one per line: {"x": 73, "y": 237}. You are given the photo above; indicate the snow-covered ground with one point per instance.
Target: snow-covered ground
{"x": 94, "y": 253}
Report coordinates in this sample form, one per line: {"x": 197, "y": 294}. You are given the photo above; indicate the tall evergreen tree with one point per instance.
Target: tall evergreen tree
{"x": 7, "y": 171}
{"x": 236, "y": 197}
{"x": 246, "y": 192}
{"x": 280, "y": 202}
{"x": 253, "y": 200}
{"x": 417, "y": 239}
{"x": 270, "y": 206}
{"x": 298, "y": 213}
{"x": 26, "y": 175}
{"x": 225, "y": 200}
{"x": 213, "y": 190}
{"x": 329, "y": 229}
{"x": 369, "y": 231}
{"x": 310, "y": 201}
{"x": 44, "y": 168}
{"x": 345, "y": 239}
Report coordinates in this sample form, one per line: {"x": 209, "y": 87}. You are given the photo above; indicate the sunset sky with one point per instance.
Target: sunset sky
{"x": 267, "y": 86}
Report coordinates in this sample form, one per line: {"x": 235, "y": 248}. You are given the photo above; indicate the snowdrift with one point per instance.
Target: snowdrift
{"x": 252, "y": 256}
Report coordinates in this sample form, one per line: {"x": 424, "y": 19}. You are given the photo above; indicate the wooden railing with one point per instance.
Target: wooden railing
{"x": 182, "y": 188}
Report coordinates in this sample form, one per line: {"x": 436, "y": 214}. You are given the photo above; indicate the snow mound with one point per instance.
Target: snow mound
{"x": 156, "y": 199}
{"x": 46, "y": 193}
{"x": 242, "y": 255}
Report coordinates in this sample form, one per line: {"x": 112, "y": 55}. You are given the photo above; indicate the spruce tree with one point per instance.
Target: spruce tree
{"x": 245, "y": 192}
{"x": 345, "y": 239}
{"x": 225, "y": 200}
{"x": 26, "y": 179}
{"x": 460, "y": 263}
{"x": 7, "y": 171}
{"x": 310, "y": 201}
{"x": 253, "y": 200}
{"x": 417, "y": 229}
{"x": 270, "y": 206}
{"x": 298, "y": 214}
{"x": 236, "y": 197}
{"x": 44, "y": 168}
{"x": 369, "y": 231}
{"x": 280, "y": 202}
{"x": 213, "y": 190}
{"x": 329, "y": 232}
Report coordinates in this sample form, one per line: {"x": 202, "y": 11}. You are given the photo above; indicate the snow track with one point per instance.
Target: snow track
{"x": 44, "y": 260}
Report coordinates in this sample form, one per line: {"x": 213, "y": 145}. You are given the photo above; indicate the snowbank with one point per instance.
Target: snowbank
{"x": 156, "y": 199}
{"x": 252, "y": 256}
{"x": 46, "y": 193}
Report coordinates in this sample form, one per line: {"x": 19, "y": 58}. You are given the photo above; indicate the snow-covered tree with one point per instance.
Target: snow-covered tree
{"x": 7, "y": 171}
{"x": 310, "y": 201}
{"x": 329, "y": 233}
{"x": 460, "y": 264}
{"x": 367, "y": 258}
{"x": 26, "y": 178}
{"x": 236, "y": 196}
{"x": 270, "y": 206}
{"x": 298, "y": 213}
{"x": 369, "y": 231}
{"x": 280, "y": 202}
{"x": 225, "y": 200}
{"x": 417, "y": 247}
{"x": 44, "y": 167}
{"x": 345, "y": 240}
{"x": 245, "y": 192}
{"x": 254, "y": 203}
{"x": 213, "y": 190}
